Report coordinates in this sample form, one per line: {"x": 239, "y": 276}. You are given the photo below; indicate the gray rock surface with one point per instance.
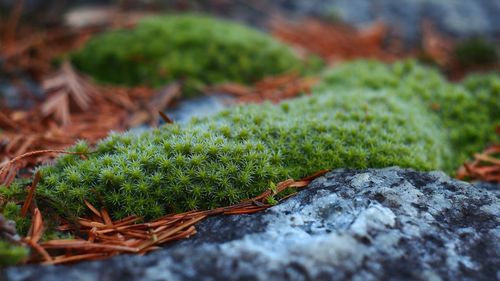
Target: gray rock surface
{"x": 199, "y": 107}
{"x": 388, "y": 224}
{"x": 456, "y": 17}
{"x": 453, "y": 17}
{"x": 459, "y": 18}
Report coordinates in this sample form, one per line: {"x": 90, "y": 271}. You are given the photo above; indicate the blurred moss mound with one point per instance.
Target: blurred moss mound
{"x": 468, "y": 113}
{"x": 476, "y": 51}
{"x": 196, "y": 49}
{"x": 486, "y": 90}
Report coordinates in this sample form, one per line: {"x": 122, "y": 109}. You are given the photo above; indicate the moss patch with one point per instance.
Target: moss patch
{"x": 197, "y": 49}
{"x": 476, "y": 51}
{"x": 238, "y": 153}
{"x": 468, "y": 112}
{"x": 363, "y": 114}
{"x": 11, "y": 254}
{"x": 12, "y": 211}
{"x": 486, "y": 90}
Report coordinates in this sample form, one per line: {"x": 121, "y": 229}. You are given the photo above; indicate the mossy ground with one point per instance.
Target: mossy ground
{"x": 11, "y": 254}
{"x": 238, "y": 153}
{"x": 363, "y": 114}
{"x": 198, "y": 50}
{"x": 476, "y": 51}
{"x": 468, "y": 112}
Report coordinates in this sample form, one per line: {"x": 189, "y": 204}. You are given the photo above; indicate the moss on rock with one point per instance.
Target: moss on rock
{"x": 238, "y": 153}
{"x": 363, "y": 114}
{"x": 11, "y": 254}
{"x": 486, "y": 90}
{"x": 11, "y": 211}
{"x": 197, "y": 49}
{"x": 467, "y": 112}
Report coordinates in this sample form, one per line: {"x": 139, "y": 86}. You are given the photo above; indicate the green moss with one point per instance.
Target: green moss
{"x": 476, "y": 52}
{"x": 12, "y": 211}
{"x": 467, "y": 114}
{"x": 238, "y": 153}
{"x": 11, "y": 254}
{"x": 486, "y": 90}
{"x": 363, "y": 115}
{"x": 11, "y": 199}
{"x": 196, "y": 49}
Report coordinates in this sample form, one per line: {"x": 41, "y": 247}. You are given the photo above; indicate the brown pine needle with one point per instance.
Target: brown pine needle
{"x": 31, "y": 193}
{"x": 101, "y": 237}
{"x": 8, "y": 168}
{"x": 86, "y": 245}
{"x": 299, "y": 184}
{"x": 38, "y": 249}
{"x": 273, "y": 88}
{"x": 485, "y": 166}
{"x": 106, "y": 217}
{"x": 37, "y": 231}
{"x": 92, "y": 208}
{"x": 165, "y": 117}
{"x": 70, "y": 259}
{"x": 166, "y": 234}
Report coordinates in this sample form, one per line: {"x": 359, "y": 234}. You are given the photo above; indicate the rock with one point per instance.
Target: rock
{"x": 493, "y": 187}
{"x": 199, "y": 107}
{"x": 457, "y": 18}
{"x": 387, "y": 224}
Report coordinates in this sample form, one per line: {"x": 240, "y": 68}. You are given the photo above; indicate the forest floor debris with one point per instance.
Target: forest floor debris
{"x": 273, "y": 88}
{"x": 337, "y": 42}
{"x": 484, "y": 167}
{"x": 76, "y": 108}
{"x": 100, "y": 237}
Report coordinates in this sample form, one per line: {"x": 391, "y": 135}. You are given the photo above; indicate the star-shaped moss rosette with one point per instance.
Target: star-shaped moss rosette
{"x": 198, "y": 50}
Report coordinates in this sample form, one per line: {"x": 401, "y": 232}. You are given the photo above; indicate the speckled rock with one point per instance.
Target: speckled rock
{"x": 199, "y": 107}
{"x": 388, "y": 224}
{"x": 453, "y": 17}
{"x": 458, "y": 18}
